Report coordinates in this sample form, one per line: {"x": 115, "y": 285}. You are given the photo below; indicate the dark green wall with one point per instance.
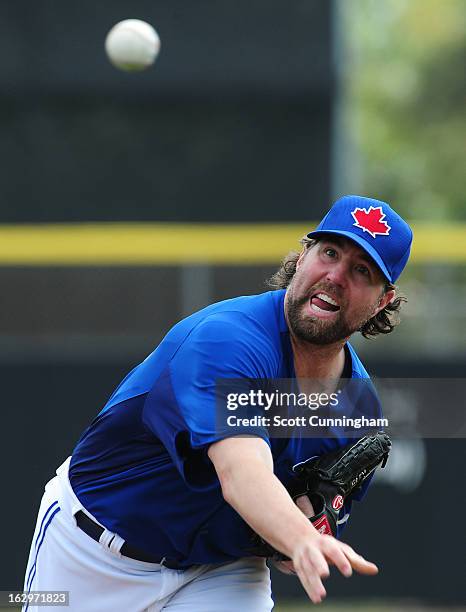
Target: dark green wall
{"x": 232, "y": 123}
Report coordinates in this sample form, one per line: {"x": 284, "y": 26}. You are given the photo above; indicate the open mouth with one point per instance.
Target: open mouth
{"x": 321, "y": 302}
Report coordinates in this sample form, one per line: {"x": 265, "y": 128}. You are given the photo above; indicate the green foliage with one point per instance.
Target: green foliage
{"x": 405, "y": 92}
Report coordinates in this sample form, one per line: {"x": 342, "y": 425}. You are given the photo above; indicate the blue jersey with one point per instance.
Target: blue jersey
{"x": 142, "y": 469}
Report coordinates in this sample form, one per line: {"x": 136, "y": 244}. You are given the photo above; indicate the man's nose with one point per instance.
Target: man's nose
{"x": 337, "y": 274}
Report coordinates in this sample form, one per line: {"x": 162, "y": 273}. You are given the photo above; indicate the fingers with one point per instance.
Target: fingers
{"x": 312, "y": 559}
{"x": 304, "y": 504}
{"x": 334, "y": 553}
{"x": 286, "y": 567}
{"x": 311, "y": 568}
{"x": 312, "y": 584}
{"x": 358, "y": 563}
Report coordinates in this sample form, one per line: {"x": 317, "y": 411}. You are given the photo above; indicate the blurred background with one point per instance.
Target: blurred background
{"x": 130, "y": 200}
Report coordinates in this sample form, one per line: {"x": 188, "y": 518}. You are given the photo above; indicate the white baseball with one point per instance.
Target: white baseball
{"x": 132, "y": 44}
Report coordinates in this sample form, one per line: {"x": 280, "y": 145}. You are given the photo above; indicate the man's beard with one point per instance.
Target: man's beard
{"x": 318, "y": 331}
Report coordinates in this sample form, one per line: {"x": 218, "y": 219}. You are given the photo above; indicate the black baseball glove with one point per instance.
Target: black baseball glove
{"x": 329, "y": 479}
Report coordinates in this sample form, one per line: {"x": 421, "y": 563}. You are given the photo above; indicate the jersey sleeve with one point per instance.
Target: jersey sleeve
{"x": 185, "y": 407}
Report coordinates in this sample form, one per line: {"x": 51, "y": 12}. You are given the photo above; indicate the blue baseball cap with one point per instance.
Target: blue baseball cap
{"x": 375, "y": 227}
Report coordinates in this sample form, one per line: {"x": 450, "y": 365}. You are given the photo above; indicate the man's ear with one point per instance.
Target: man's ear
{"x": 386, "y": 299}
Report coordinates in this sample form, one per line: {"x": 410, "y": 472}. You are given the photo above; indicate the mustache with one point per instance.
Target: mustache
{"x": 332, "y": 290}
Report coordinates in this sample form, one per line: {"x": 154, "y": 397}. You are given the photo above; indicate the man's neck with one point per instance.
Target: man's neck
{"x": 318, "y": 361}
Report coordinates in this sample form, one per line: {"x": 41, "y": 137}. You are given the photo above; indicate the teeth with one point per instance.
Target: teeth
{"x": 326, "y": 298}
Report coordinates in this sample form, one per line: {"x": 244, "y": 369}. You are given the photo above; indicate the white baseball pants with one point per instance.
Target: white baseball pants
{"x": 100, "y": 579}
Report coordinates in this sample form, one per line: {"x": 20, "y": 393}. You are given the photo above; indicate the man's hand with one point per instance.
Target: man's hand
{"x": 312, "y": 557}
{"x": 304, "y": 504}
{"x": 245, "y": 470}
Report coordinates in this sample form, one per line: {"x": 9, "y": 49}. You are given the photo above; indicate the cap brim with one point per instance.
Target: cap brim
{"x": 362, "y": 243}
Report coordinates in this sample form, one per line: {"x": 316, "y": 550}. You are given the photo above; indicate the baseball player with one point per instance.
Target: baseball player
{"x": 157, "y": 506}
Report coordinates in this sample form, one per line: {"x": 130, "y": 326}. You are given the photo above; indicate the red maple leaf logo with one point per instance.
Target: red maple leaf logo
{"x": 371, "y": 221}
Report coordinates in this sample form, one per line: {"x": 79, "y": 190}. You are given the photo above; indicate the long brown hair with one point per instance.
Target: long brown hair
{"x": 383, "y": 322}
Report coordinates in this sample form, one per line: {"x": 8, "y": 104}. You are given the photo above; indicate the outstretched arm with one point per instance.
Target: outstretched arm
{"x": 244, "y": 466}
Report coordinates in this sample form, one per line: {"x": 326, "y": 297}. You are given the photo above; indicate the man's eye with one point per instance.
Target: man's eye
{"x": 330, "y": 252}
{"x": 363, "y": 270}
